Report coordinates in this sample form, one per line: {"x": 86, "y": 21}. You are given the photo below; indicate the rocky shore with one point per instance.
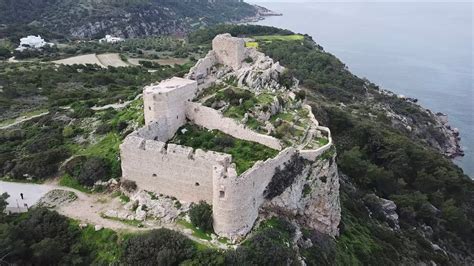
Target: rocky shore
{"x": 446, "y": 139}
{"x": 262, "y": 13}
{"x": 453, "y": 148}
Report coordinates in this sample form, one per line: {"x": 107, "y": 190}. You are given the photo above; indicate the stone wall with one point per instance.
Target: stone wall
{"x": 190, "y": 175}
{"x": 213, "y": 119}
{"x": 171, "y": 170}
{"x": 313, "y": 154}
{"x": 237, "y": 200}
{"x": 203, "y": 67}
{"x": 165, "y": 103}
{"x": 230, "y": 51}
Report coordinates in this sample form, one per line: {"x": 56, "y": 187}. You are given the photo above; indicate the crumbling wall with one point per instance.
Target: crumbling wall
{"x": 314, "y": 154}
{"x": 311, "y": 193}
{"x": 230, "y": 51}
{"x": 213, "y": 119}
{"x": 172, "y": 170}
{"x": 166, "y": 106}
{"x": 203, "y": 67}
{"x": 237, "y": 200}
{"x": 153, "y": 131}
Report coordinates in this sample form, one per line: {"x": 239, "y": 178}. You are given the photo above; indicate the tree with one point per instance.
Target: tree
{"x": 157, "y": 247}
{"x": 268, "y": 246}
{"x": 4, "y": 53}
{"x": 88, "y": 170}
{"x": 3, "y": 204}
{"x": 201, "y": 216}
{"x": 207, "y": 257}
{"x": 353, "y": 164}
{"x": 41, "y": 237}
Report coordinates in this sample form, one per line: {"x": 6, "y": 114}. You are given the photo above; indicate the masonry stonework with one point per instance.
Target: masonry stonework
{"x": 230, "y": 51}
{"x": 165, "y": 103}
{"x": 212, "y": 119}
{"x": 195, "y": 175}
{"x": 172, "y": 170}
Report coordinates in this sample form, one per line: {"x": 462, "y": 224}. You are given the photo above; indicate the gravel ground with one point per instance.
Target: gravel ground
{"x": 31, "y": 194}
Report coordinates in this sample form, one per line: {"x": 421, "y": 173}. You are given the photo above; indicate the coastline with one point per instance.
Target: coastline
{"x": 450, "y": 147}
{"x": 262, "y": 13}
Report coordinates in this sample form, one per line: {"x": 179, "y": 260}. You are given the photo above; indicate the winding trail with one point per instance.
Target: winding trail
{"x": 22, "y": 119}
{"x": 87, "y": 208}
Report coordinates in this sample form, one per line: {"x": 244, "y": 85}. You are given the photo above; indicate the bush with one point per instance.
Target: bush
{"x": 157, "y": 247}
{"x": 201, "y": 216}
{"x": 103, "y": 129}
{"x": 88, "y": 170}
{"x": 40, "y": 165}
{"x": 207, "y": 257}
{"x": 323, "y": 250}
{"x": 129, "y": 185}
{"x": 4, "y": 53}
{"x": 42, "y": 237}
{"x": 268, "y": 246}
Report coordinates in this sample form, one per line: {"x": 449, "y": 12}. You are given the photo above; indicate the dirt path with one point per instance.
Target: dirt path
{"x": 22, "y": 119}
{"x": 88, "y": 208}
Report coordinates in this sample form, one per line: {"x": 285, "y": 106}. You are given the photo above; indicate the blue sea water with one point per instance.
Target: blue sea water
{"x": 421, "y": 50}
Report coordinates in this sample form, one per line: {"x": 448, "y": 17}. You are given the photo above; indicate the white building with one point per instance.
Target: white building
{"x": 111, "y": 39}
{"x": 32, "y": 42}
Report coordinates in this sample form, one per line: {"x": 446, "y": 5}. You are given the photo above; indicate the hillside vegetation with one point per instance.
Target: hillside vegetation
{"x": 125, "y": 18}
{"x": 377, "y": 158}
{"x": 435, "y": 198}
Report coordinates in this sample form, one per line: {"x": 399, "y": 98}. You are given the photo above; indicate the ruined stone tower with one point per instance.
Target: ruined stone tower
{"x": 230, "y": 51}
{"x": 165, "y": 104}
{"x": 192, "y": 175}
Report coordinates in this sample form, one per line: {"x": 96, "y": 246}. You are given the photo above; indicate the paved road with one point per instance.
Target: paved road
{"x": 31, "y": 194}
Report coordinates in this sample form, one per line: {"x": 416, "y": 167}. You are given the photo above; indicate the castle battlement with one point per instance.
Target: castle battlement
{"x": 193, "y": 175}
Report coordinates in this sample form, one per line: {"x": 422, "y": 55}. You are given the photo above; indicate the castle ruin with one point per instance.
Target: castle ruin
{"x": 194, "y": 175}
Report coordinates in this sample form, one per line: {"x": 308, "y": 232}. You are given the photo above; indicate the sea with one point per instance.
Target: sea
{"x": 422, "y": 50}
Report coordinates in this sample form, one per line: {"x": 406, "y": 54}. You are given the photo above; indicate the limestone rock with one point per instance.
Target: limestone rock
{"x": 82, "y": 226}
{"x": 56, "y": 197}
{"x": 314, "y": 197}
{"x": 111, "y": 214}
{"x": 140, "y": 214}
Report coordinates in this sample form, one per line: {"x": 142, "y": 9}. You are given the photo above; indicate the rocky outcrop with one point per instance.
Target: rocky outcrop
{"x": 147, "y": 205}
{"x": 423, "y": 125}
{"x": 250, "y": 68}
{"x": 313, "y": 197}
{"x": 260, "y": 72}
{"x": 56, "y": 197}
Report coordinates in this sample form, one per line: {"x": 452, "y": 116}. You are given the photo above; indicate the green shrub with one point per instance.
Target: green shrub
{"x": 88, "y": 170}
{"x": 269, "y": 245}
{"x": 157, "y": 247}
{"x": 103, "y": 129}
{"x": 201, "y": 216}
{"x": 128, "y": 185}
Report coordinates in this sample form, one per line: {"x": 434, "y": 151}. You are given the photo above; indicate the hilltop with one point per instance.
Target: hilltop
{"x": 403, "y": 201}
{"x": 125, "y": 18}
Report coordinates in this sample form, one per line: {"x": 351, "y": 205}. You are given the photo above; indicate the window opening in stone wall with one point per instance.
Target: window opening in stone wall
{"x": 154, "y": 175}
{"x": 149, "y": 108}
{"x": 196, "y": 184}
{"x": 221, "y": 194}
